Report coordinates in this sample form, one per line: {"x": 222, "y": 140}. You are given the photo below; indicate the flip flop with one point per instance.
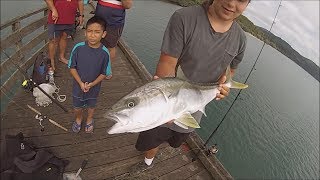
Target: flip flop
{"x": 89, "y": 127}
{"x": 76, "y": 127}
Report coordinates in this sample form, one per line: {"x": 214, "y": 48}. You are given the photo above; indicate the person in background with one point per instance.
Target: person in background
{"x": 89, "y": 64}
{"x": 199, "y": 43}
{"x": 113, "y": 12}
{"x": 61, "y": 23}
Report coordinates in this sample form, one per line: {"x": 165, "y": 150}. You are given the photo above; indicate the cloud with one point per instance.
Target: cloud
{"x": 297, "y": 23}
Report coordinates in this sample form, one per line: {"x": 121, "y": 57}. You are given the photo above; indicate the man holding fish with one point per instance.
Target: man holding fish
{"x": 202, "y": 46}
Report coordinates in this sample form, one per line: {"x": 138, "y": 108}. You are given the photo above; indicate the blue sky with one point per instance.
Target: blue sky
{"x": 297, "y": 23}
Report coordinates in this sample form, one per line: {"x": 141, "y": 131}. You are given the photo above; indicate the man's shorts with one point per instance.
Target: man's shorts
{"x": 56, "y": 30}
{"x": 112, "y": 37}
{"x": 89, "y": 103}
{"x": 154, "y": 137}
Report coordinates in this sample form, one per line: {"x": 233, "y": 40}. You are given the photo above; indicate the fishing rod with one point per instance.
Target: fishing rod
{"x": 209, "y": 149}
{"x": 39, "y": 116}
{"x": 35, "y": 84}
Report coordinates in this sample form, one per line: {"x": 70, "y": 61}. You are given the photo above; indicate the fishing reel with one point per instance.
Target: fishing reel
{"x": 41, "y": 118}
{"x": 27, "y": 84}
{"x": 208, "y": 151}
{"x": 212, "y": 150}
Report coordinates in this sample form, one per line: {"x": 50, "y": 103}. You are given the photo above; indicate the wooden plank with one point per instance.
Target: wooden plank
{"x": 169, "y": 165}
{"x": 111, "y": 171}
{"x": 184, "y": 172}
{"x": 76, "y": 149}
{"x": 17, "y": 75}
{"x": 211, "y": 163}
{"x": 202, "y": 175}
{"x": 20, "y": 18}
{"x": 20, "y": 34}
{"x": 104, "y": 157}
{"x": 18, "y": 55}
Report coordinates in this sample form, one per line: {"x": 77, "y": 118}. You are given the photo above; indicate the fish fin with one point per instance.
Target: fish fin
{"x": 237, "y": 85}
{"x": 180, "y": 125}
{"x": 203, "y": 111}
{"x": 234, "y": 84}
{"x": 173, "y": 94}
{"x": 188, "y": 120}
{"x": 228, "y": 74}
{"x": 164, "y": 95}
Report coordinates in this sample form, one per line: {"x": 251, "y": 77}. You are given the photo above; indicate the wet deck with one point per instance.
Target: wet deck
{"x": 109, "y": 156}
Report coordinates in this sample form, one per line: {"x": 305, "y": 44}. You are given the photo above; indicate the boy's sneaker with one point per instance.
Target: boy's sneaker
{"x": 140, "y": 167}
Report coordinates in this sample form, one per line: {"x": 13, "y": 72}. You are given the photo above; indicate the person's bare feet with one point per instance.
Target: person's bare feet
{"x": 53, "y": 68}
{"x": 63, "y": 60}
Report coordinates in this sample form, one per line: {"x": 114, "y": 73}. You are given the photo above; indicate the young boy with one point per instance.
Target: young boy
{"x": 89, "y": 64}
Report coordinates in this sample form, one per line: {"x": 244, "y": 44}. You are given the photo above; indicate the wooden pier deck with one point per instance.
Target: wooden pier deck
{"x": 109, "y": 156}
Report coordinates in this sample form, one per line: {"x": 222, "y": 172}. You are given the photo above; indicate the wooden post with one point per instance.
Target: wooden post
{"x": 45, "y": 26}
{"x": 16, "y": 27}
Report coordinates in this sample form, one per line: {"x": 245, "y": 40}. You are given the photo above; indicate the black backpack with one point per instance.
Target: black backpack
{"x": 21, "y": 161}
{"x": 40, "y": 69}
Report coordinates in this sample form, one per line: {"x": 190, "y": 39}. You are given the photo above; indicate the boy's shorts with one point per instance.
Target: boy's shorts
{"x": 112, "y": 37}
{"x": 55, "y": 30}
{"x": 89, "y": 103}
{"x": 154, "y": 137}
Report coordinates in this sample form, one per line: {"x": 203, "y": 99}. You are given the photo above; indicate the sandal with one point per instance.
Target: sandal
{"x": 76, "y": 127}
{"x": 89, "y": 127}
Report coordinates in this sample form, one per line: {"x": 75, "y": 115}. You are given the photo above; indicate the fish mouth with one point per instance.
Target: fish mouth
{"x": 112, "y": 117}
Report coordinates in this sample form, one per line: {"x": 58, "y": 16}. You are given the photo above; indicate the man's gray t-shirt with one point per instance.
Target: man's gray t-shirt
{"x": 203, "y": 54}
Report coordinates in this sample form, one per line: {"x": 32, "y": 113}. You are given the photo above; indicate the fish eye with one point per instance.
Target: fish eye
{"x": 131, "y": 104}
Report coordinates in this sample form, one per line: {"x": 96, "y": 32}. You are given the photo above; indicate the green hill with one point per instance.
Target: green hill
{"x": 270, "y": 39}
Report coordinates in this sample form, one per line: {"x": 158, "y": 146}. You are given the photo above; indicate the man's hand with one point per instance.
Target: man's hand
{"x": 80, "y": 18}
{"x": 155, "y": 77}
{"x": 55, "y": 15}
{"x": 224, "y": 90}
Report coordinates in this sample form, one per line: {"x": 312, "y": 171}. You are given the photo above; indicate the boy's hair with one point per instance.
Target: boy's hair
{"x": 97, "y": 19}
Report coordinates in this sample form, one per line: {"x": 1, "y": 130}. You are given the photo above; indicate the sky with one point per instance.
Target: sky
{"x": 297, "y": 23}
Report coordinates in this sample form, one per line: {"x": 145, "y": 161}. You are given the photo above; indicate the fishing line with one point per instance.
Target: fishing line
{"x": 251, "y": 70}
{"x": 35, "y": 84}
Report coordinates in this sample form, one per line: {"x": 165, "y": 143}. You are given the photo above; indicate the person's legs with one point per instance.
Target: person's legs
{"x": 91, "y": 103}
{"x": 149, "y": 142}
{"x": 53, "y": 37}
{"x": 150, "y": 154}
{"x": 63, "y": 46}
{"x": 52, "y": 51}
{"x": 78, "y": 109}
{"x": 89, "y": 124}
{"x": 78, "y": 114}
{"x": 112, "y": 52}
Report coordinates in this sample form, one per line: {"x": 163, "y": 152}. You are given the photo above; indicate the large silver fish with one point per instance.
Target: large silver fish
{"x": 163, "y": 100}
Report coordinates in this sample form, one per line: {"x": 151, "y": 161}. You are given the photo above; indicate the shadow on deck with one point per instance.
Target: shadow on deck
{"x": 109, "y": 156}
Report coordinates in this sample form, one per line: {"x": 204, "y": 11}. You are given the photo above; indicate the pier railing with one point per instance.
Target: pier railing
{"x": 22, "y": 39}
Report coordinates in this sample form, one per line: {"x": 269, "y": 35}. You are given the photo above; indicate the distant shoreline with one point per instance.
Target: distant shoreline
{"x": 267, "y": 37}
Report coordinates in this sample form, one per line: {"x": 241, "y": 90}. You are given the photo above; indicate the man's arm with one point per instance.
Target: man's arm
{"x": 127, "y": 4}
{"x": 166, "y": 66}
{"x": 80, "y": 8}
{"x": 53, "y": 9}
